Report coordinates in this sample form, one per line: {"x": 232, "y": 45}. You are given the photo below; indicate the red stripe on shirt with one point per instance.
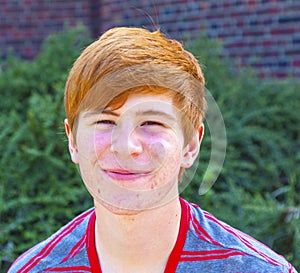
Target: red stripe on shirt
{"x": 210, "y": 252}
{"x": 75, "y": 249}
{"x": 177, "y": 250}
{"x": 49, "y": 247}
{"x": 91, "y": 246}
{"x": 242, "y": 238}
{"x": 202, "y": 233}
{"x": 210, "y": 255}
{"x": 73, "y": 269}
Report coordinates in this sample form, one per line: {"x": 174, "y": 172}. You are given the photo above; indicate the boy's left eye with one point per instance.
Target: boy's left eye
{"x": 152, "y": 123}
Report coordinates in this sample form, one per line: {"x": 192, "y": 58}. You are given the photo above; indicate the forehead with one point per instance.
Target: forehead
{"x": 147, "y": 101}
{"x": 141, "y": 105}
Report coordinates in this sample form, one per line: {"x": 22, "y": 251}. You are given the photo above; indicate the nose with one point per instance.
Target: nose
{"x": 125, "y": 141}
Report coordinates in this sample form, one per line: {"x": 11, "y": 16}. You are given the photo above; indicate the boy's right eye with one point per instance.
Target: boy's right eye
{"x": 105, "y": 122}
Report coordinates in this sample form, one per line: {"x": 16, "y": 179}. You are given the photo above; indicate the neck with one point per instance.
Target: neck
{"x": 137, "y": 240}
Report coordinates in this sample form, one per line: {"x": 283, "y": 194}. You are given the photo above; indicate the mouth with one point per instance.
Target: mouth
{"x": 121, "y": 174}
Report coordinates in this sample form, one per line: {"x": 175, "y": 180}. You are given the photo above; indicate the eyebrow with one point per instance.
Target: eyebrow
{"x": 156, "y": 113}
{"x": 98, "y": 112}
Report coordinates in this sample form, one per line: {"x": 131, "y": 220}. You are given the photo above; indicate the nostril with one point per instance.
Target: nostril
{"x": 126, "y": 145}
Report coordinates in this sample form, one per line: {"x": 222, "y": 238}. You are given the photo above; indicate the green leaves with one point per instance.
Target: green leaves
{"x": 40, "y": 188}
{"x": 258, "y": 189}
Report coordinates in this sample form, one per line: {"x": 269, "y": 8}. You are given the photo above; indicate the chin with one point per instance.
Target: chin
{"x": 136, "y": 204}
{"x": 123, "y": 201}
{"x": 120, "y": 210}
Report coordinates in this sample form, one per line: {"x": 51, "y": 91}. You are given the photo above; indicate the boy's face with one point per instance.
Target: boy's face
{"x": 129, "y": 158}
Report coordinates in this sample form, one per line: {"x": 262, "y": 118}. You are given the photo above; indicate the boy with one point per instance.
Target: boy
{"x": 135, "y": 104}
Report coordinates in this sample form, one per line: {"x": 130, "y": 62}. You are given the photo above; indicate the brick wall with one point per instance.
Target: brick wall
{"x": 24, "y": 24}
{"x": 261, "y": 33}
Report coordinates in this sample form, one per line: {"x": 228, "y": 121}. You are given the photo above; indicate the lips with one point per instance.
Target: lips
{"x": 121, "y": 174}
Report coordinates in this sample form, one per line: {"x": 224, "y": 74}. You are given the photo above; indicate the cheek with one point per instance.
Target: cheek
{"x": 101, "y": 142}
{"x": 165, "y": 150}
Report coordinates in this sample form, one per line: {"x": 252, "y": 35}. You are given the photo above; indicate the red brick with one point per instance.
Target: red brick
{"x": 279, "y": 74}
{"x": 241, "y": 13}
{"x": 296, "y": 63}
{"x": 267, "y": 43}
{"x": 254, "y": 32}
{"x": 283, "y": 30}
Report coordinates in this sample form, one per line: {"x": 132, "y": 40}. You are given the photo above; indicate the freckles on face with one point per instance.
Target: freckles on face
{"x": 165, "y": 155}
{"x": 102, "y": 142}
{"x": 131, "y": 157}
{"x": 161, "y": 151}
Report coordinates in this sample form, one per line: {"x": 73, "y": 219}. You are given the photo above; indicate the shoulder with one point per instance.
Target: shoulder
{"x": 57, "y": 249}
{"x": 214, "y": 242}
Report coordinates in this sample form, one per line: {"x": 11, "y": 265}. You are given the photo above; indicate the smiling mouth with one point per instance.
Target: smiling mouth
{"x": 125, "y": 175}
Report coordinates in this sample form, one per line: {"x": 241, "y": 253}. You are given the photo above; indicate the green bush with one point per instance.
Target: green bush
{"x": 258, "y": 189}
{"x": 40, "y": 190}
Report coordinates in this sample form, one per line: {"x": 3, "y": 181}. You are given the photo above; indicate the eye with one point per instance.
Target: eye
{"x": 151, "y": 123}
{"x": 105, "y": 122}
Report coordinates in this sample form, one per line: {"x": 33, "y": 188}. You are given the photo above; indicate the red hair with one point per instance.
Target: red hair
{"x": 131, "y": 60}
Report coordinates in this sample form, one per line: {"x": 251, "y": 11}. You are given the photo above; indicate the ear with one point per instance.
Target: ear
{"x": 72, "y": 144}
{"x": 191, "y": 150}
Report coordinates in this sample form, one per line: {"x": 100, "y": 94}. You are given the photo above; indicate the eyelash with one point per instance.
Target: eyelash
{"x": 151, "y": 123}
{"x": 106, "y": 121}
